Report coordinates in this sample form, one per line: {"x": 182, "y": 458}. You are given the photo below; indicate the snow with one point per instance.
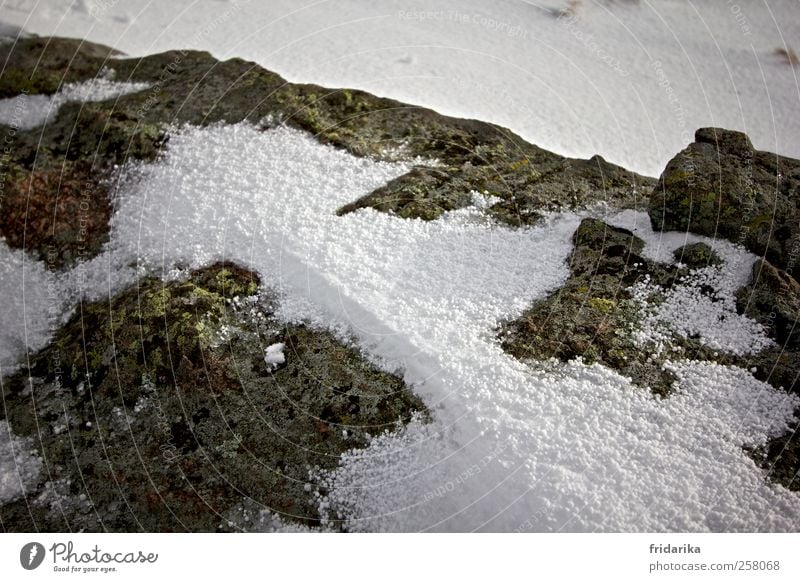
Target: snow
{"x": 690, "y": 308}
{"x": 19, "y": 465}
{"x": 274, "y": 356}
{"x": 32, "y": 303}
{"x": 628, "y": 80}
{"x": 510, "y": 448}
{"x": 29, "y": 111}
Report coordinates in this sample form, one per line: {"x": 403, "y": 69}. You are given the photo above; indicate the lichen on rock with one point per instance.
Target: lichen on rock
{"x": 157, "y": 407}
{"x": 721, "y": 186}
{"x": 593, "y": 316}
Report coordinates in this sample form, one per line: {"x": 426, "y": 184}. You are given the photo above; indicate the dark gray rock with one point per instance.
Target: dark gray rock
{"x": 697, "y": 256}
{"x": 721, "y": 186}
{"x": 773, "y": 299}
{"x": 155, "y": 410}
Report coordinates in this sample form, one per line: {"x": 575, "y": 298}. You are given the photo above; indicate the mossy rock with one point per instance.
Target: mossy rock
{"x": 697, "y": 256}
{"x": 592, "y": 317}
{"x": 780, "y": 458}
{"x": 158, "y": 408}
{"x": 773, "y": 299}
{"x": 193, "y": 87}
{"x": 721, "y": 186}
{"x": 40, "y": 65}
{"x": 59, "y": 214}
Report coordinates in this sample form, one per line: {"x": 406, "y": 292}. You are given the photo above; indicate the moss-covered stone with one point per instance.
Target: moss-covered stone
{"x": 721, "y": 186}
{"x": 593, "y": 316}
{"x": 780, "y": 458}
{"x": 158, "y": 408}
{"x": 697, "y": 256}
{"x": 59, "y": 214}
{"x": 40, "y": 65}
{"x": 773, "y": 299}
{"x": 193, "y": 87}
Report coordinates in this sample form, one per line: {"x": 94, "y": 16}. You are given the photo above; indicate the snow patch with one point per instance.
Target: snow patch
{"x": 29, "y": 111}
{"x": 274, "y": 356}
{"x": 32, "y": 304}
{"x": 19, "y": 465}
{"x": 702, "y": 304}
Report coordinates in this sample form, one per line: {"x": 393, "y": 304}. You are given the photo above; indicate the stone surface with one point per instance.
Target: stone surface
{"x": 721, "y": 186}
{"x": 193, "y": 87}
{"x": 697, "y": 256}
{"x": 773, "y": 299}
{"x": 593, "y": 315}
{"x": 156, "y": 411}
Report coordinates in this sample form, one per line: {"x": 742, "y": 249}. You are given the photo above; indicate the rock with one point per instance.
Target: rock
{"x": 780, "y": 458}
{"x": 773, "y": 299}
{"x": 59, "y": 214}
{"x": 193, "y": 87}
{"x": 592, "y": 315}
{"x": 39, "y": 65}
{"x": 185, "y": 420}
{"x": 697, "y": 256}
{"x": 721, "y": 186}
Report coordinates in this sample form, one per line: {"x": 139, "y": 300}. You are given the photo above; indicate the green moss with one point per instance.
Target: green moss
{"x": 602, "y": 304}
{"x": 202, "y": 422}
{"x": 15, "y": 81}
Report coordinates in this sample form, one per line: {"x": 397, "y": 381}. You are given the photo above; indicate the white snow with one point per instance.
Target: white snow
{"x": 628, "y": 80}
{"x": 567, "y": 447}
{"x": 32, "y": 303}
{"x": 19, "y": 465}
{"x": 29, "y": 111}
{"x": 703, "y": 304}
{"x": 274, "y": 356}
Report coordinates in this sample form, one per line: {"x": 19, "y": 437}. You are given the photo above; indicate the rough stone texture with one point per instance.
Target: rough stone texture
{"x": 697, "y": 256}
{"x": 773, "y": 299}
{"x": 156, "y": 411}
{"x": 592, "y": 315}
{"x": 780, "y": 458}
{"x": 209, "y": 428}
{"x": 720, "y": 186}
{"x": 193, "y": 87}
{"x": 60, "y": 214}
{"x": 40, "y": 65}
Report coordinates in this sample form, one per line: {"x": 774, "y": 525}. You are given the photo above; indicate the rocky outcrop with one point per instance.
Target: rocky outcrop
{"x": 773, "y": 299}
{"x": 780, "y": 458}
{"x": 40, "y": 65}
{"x": 697, "y": 256}
{"x": 721, "y": 186}
{"x": 60, "y": 214}
{"x": 157, "y": 411}
{"x": 593, "y": 315}
{"x": 193, "y": 87}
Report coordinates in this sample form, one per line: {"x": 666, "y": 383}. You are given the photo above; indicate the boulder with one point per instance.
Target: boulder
{"x": 721, "y": 186}
{"x": 773, "y": 299}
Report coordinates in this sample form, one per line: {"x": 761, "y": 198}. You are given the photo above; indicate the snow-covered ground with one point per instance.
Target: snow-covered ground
{"x": 630, "y": 80}
{"x": 510, "y": 448}
{"x": 569, "y": 448}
